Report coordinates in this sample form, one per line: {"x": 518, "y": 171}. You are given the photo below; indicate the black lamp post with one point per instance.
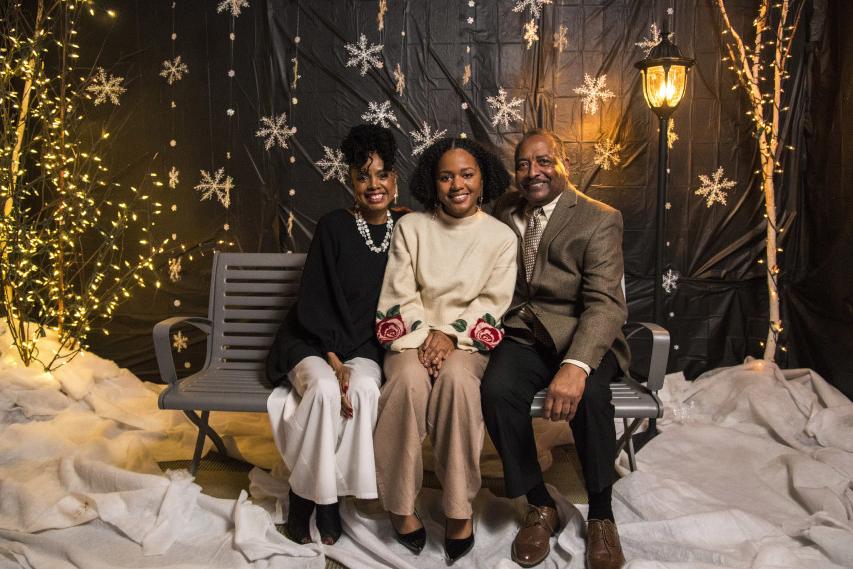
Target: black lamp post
{"x": 664, "y": 74}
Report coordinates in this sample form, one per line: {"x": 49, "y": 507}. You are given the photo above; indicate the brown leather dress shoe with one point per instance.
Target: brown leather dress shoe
{"x": 603, "y": 550}
{"x": 533, "y": 543}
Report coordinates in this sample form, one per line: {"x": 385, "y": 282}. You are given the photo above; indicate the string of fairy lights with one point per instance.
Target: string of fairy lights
{"x": 66, "y": 260}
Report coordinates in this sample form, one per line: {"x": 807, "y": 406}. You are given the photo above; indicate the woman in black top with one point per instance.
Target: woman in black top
{"x": 326, "y": 349}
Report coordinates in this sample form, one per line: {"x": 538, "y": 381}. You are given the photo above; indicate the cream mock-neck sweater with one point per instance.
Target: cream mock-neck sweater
{"x": 447, "y": 274}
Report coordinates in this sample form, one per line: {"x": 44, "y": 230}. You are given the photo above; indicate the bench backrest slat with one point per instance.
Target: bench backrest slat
{"x": 250, "y": 293}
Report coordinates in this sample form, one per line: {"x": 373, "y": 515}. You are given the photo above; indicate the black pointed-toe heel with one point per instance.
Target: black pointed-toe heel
{"x": 414, "y": 541}
{"x": 329, "y": 522}
{"x": 456, "y": 548}
{"x": 299, "y": 511}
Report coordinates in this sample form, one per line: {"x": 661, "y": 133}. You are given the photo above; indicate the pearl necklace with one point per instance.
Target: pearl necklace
{"x": 361, "y": 224}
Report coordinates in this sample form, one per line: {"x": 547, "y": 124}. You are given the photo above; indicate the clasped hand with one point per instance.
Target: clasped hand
{"x": 342, "y": 372}
{"x": 434, "y": 351}
{"x": 564, "y": 393}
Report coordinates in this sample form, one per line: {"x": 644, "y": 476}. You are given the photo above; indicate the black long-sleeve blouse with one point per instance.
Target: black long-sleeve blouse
{"x": 337, "y": 299}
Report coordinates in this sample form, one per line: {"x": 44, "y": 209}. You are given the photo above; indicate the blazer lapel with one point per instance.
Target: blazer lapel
{"x": 559, "y": 220}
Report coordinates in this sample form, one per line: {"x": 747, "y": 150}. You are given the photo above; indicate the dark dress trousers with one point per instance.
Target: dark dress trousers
{"x": 572, "y": 308}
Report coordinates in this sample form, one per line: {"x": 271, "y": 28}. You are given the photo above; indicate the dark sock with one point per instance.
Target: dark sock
{"x": 600, "y": 507}
{"x": 539, "y": 496}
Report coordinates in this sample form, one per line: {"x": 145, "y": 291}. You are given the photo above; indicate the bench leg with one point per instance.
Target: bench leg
{"x": 204, "y": 430}
{"x": 627, "y": 443}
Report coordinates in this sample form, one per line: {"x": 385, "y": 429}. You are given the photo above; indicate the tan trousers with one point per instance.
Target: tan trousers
{"x": 411, "y": 406}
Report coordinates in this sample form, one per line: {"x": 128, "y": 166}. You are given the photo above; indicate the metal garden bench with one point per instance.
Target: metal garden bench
{"x": 250, "y": 294}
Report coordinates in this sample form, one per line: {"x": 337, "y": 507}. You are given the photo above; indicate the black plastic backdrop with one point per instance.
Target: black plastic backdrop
{"x": 718, "y": 313}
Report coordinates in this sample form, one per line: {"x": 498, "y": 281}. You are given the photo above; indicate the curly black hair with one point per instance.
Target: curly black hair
{"x": 365, "y": 139}
{"x": 495, "y": 177}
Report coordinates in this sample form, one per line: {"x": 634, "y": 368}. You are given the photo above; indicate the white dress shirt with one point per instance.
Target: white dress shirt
{"x": 520, "y": 219}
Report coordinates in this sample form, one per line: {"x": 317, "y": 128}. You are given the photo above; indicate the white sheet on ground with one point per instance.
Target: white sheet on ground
{"x": 753, "y": 469}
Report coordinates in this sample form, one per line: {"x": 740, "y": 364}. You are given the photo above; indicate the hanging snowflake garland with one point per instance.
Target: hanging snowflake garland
{"x": 593, "y": 91}
{"x": 399, "y": 80}
{"x": 276, "y": 131}
{"x": 381, "y": 114}
{"x": 233, "y": 6}
{"x": 174, "y": 70}
{"x": 671, "y": 135}
{"x": 219, "y": 186}
{"x": 175, "y": 269}
{"x": 714, "y": 189}
{"x": 607, "y": 154}
{"x": 105, "y": 87}
{"x": 364, "y": 55}
{"x": 505, "y": 111}
{"x": 669, "y": 281}
{"x": 466, "y": 75}
{"x": 179, "y": 341}
{"x": 534, "y": 5}
{"x": 531, "y": 34}
{"x": 380, "y": 16}
{"x": 561, "y": 40}
{"x": 332, "y": 165}
{"x": 424, "y": 138}
{"x": 174, "y": 175}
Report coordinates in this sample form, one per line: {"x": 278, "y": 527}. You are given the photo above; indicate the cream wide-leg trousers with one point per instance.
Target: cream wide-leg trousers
{"x": 328, "y": 455}
{"x": 448, "y": 410}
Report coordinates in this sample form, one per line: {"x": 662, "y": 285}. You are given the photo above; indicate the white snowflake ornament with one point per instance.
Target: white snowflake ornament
{"x": 399, "y": 80}
{"x": 654, "y": 38}
{"x": 424, "y": 138}
{"x": 219, "y": 185}
{"x": 175, "y": 269}
{"x": 105, "y": 87}
{"x": 534, "y": 5}
{"x": 561, "y": 40}
{"x": 332, "y": 165}
{"x": 364, "y": 55}
{"x": 671, "y": 135}
{"x": 174, "y": 175}
{"x": 174, "y": 70}
{"x": 233, "y": 6}
{"x": 669, "y": 281}
{"x": 380, "y": 113}
{"x": 505, "y": 111}
{"x": 179, "y": 341}
{"x": 607, "y": 154}
{"x": 593, "y": 91}
{"x": 714, "y": 189}
{"x": 531, "y": 34}
{"x": 276, "y": 131}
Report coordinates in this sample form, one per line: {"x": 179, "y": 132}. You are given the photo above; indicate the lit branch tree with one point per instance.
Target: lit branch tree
{"x": 761, "y": 70}
{"x": 66, "y": 227}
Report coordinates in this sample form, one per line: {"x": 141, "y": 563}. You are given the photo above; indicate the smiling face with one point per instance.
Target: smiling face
{"x": 539, "y": 173}
{"x": 374, "y": 186}
{"x": 458, "y": 183}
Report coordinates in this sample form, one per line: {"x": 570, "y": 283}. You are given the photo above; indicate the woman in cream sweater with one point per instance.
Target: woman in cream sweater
{"x": 450, "y": 277}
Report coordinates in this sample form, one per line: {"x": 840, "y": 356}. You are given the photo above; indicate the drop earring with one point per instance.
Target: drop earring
{"x": 480, "y": 203}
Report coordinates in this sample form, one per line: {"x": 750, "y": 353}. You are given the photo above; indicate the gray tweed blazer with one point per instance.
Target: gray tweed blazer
{"x": 576, "y": 291}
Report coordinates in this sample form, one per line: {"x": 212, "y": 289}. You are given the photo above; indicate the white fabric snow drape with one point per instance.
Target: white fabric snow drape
{"x": 753, "y": 469}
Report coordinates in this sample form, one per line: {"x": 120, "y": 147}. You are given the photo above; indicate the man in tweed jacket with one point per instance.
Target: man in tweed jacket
{"x": 563, "y": 332}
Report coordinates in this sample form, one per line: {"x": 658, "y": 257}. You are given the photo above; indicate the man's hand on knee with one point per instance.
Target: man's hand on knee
{"x": 564, "y": 393}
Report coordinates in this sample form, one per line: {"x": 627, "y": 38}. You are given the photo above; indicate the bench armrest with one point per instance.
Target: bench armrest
{"x": 163, "y": 344}
{"x": 660, "y": 353}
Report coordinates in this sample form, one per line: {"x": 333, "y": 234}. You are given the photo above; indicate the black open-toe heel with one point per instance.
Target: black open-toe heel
{"x": 414, "y": 541}
{"x": 329, "y": 522}
{"x": 299, "y": 511}
{"x": 456, "y": 548}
